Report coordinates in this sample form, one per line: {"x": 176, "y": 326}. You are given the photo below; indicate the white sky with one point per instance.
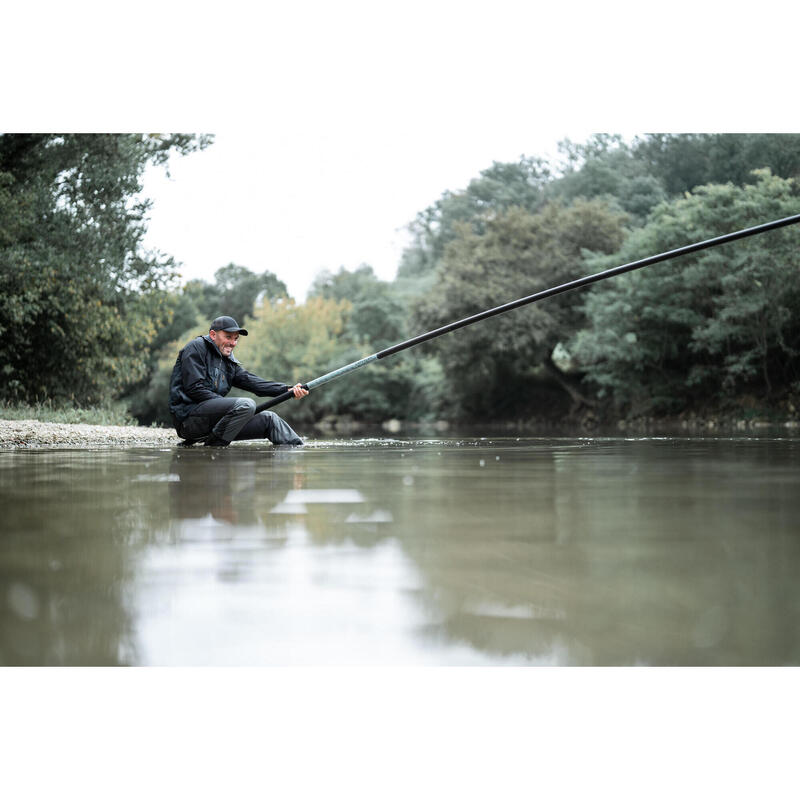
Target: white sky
{"x": 337, "y": 122}
{"x": 298, "y": 204}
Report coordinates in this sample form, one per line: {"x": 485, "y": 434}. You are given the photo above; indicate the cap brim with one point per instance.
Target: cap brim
{"x": 236, "y": 330}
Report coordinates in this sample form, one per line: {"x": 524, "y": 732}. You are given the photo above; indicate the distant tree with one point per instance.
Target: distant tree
{"x": 683, "y": 161}
{"x": 407, "y": 387}
{"x": 710, "y": 325}
{"x": 487, "y": 367}
{"x": 375, "y": 317}
{"x": 147, "y": 398}
{"x": 606, "y": 167}
{"x": 289, "y": 342}
{"x": 499, "y": 187}
{"x": 236, "y": 290}
{"x": 80, "y": 299}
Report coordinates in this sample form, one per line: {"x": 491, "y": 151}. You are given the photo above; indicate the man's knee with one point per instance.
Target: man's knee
{"x": 245, "y": 405}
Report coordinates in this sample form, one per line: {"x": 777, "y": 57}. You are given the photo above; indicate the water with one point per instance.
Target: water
{"x": 504, "y": 551}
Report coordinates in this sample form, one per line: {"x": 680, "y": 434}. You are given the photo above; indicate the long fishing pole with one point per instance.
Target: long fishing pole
{"x": 523, "y": 301}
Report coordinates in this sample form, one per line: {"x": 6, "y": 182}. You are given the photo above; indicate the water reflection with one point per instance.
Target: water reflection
{"x": 72, "y": 524}
{"x": 464, "y": 551}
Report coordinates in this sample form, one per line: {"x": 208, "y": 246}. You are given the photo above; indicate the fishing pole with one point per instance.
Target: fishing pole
{"x": 523, "y": 301}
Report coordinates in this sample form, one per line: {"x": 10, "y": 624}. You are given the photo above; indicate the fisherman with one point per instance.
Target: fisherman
{"x": 204, "y": 373}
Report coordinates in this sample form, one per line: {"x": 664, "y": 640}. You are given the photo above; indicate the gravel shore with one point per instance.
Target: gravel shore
{"x": 29, "y": 433}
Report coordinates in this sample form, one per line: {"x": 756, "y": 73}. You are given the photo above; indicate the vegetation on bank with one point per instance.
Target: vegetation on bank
{"x": 111, "y": 413}
{"x": 713, "y": 334}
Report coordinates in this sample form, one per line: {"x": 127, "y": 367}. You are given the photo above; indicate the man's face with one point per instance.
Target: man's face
{"x": 224, "y": 341}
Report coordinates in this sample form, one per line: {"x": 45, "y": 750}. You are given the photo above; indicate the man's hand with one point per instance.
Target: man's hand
{"x": 299, "y": 391}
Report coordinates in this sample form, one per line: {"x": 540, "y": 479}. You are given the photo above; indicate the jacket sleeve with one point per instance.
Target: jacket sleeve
{"x": 194, "y": 374}
{"x": 243, "y": 379}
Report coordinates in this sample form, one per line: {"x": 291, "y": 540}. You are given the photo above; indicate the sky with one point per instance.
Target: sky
{"x": 336, "y": 123}
{"x": 296, "y": 207}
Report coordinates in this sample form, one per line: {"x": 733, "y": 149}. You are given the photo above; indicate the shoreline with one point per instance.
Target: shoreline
{"x": 31, "y": 434}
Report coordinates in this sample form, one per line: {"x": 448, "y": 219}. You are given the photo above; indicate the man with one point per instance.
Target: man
{"x": 203, "y": 374}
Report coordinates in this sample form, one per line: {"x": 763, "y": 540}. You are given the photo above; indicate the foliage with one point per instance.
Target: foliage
{"x": 683, "y": 161}
{"x": 712, "y": 324}
{"x": 607, "y": 168}
{"x": 291, "y": 343}
{"x": 191, "y": 309}
{"x": 236, "y": 290}
{"x": 86, "y": 315}
{"x": 375, "y": 317}
{"x": 519, "y": 254}
{"x": 79, "y": 298}
{"x": 147, "y": 399}
{"x": 500, "y": 187}
{"x": 109, "y": 413}
{"x": 409, "y": 386}
{"x": 347, "y": 316}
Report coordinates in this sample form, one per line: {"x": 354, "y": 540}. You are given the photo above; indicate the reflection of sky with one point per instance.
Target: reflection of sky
{"x": 603, "y": 552}
{"x": 236, "y": 601}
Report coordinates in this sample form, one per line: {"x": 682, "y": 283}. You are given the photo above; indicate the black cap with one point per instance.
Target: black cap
{"x": 228, "y": 324}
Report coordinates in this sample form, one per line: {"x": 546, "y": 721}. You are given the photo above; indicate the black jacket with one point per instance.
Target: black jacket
{"x": 201, "y": 373}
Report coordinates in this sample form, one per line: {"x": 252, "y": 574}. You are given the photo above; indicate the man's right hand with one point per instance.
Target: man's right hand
{"x": 299, "y": 390}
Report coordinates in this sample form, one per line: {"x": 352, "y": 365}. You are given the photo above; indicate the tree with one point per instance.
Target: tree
{"x": 605, "y": 167}
{"x": 289, "y": 342}
{"x": 236, "y": 290}
{"x": 709, "y": 326}
{"x": 147, "y": 399}
{"x": 488, "y": 367}
{"x": 376, "y": 318}
{"x": 684, "y": 161}
{"x": 499, "y": 187}
{"x": 80, "y": 299}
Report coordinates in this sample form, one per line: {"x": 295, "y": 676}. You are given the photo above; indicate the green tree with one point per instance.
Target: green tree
{"x": 489, "y": 368}
{"x": 376, "y": 318}
{"x": 605, "y": 167}
{"x": 499, "y": 187}
{"x": 80, "y": 299}
{"x": 406, "y": 387}
{"x": 147, "y": 399}
{"x": 709, "y": 326}
{"x": 290, "y": 342}
{"x": 683, "y": 161}
{"x": 236, "y": 290}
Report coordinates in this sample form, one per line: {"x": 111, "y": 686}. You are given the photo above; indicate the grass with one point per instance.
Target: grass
{"x": 47, "y": 411}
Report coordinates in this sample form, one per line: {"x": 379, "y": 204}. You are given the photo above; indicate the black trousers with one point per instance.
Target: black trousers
{"x": 234, "y": 418}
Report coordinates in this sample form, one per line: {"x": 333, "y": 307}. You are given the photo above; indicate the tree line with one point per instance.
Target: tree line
{"x": 718, "y": 331}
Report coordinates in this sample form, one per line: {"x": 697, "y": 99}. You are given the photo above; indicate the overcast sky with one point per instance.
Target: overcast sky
{"x": 337, "y": 123}
{"x": 297, "y": 205}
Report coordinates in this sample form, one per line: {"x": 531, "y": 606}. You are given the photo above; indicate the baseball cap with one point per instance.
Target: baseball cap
{"x": 228, "y": 324}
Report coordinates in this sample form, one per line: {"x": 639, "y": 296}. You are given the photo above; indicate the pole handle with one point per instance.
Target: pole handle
{"x": 281, "y": 398}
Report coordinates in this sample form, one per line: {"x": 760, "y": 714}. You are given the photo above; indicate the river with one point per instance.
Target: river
{"x": 447, "y": 551}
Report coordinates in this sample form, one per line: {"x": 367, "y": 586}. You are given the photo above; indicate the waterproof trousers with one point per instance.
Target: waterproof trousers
{"x": 234, "y": 418}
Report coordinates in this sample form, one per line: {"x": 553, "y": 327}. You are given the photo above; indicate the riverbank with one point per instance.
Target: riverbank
{"x": 30, "y": 434}
{"x": 26, "y": 434}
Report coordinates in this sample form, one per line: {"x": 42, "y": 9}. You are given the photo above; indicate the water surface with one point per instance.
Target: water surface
{"x": 503, "y": 551}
